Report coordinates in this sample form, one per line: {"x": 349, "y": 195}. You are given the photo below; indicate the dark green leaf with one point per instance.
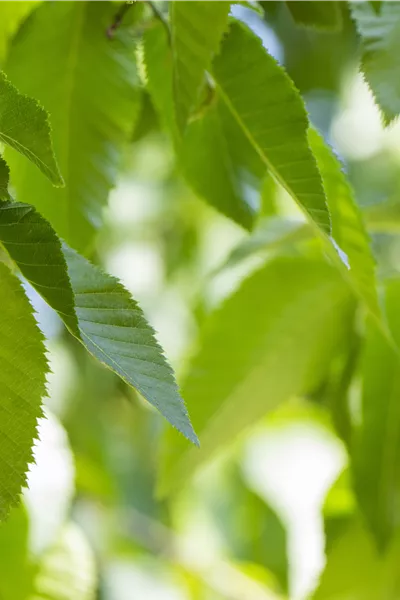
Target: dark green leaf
{"x": 320, "y": 15}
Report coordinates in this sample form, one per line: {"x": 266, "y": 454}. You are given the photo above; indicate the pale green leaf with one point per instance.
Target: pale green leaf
{"x": 214, "y": 155}
{"x": 114, "y": 330}
{"x": 24, "y": 126}
{"x": 319, "y": 15}
{"x": 380, "y": 62}
{"x": 67, "y": 571}
{"x": 271, "y": 113}
{"x": 267, "y": 342}
{"x": 356, "y": 571}
{"x": 196, "y": 31}
{"x": 376, "y": 446}
{"x": 88, "y": 83}
{"x": 22, "y": 387}
{"x": 348, "y": 229}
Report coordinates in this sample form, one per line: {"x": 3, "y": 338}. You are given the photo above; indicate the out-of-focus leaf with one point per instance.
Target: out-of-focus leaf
{"x": 24, "y": 126}
{"x": 196, "y": 31}
{"x": 36, "y": 250}
{"x": 270, "y": 234}
{"x": 16, "y": 570}
{"x": 88, "y": 83}
{"x": 67, "y": 570}
{"x": 22, "y": 387}
{"x": 339, "y": 508}
{"x": 268, "y": 342}
{"x": 380, "y": 38}
{"x": 320, "y": 15}
{"x": 270, "y": 111}
{"x": 348, "y": 229}
{"x": 376, "y": 448}
{"x": 11, "y": 15}
{"x": 114, "y": 330}
{"x": 213, "y": 154}
{"x": 355, "y": 570}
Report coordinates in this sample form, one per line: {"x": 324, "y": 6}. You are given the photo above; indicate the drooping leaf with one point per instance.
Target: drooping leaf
{"x": 348, "y": 229}
{"x": 22, "y": 387}
{"x": 114, "y": 330}
{"x": 11, "y": 15}
{"x": 24, "y": 126}
{"x": 88, "y": 83}
{"x": 196, "y": 31}
{"x": 213, "y": 154}
{"x": 380, "y": 62}
{"x": 67, "y": 570}
{"x": 316, "y": 14}
{"x": 95, "y": 307}
{"x": 271, "y": 113}
{"x": 354, "y": 569}
{"x": 267, "y": 342}
{"x": 376, "y": 448}
{"x": 36, "y": 250}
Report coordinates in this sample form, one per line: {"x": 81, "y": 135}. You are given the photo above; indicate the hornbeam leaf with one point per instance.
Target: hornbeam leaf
{"x": 24, "y": 126}
{"x": 196, "y": 31}
{"x": 380, "y": 37}
{"x": 267, "y": 342}
{"x": 22, "y": 387}
{"x": 88, "y": 83}
{"x": 269, "y": 109}
{"x": 348, "y": 229}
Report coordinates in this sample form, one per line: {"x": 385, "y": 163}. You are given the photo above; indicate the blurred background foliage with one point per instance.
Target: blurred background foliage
{"x": 254, "y": 523}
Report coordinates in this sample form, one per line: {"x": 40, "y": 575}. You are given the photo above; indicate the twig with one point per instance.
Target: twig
{"x": 123, "y": 9}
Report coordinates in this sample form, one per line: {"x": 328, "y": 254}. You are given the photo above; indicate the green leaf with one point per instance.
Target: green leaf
{"x": 354, "y": 569}
{"x": 88, "y": 83}
{"x": 11, "y": 16}
{"x": 22, "y": 387}
{"x": 376, "y": 448}
{"x": 4, "y": 180}
{"x": 319, "y": 15}
{"x": 348, "y": 229}
{"x": 67, "y": 570}
{"x": 267, "y": 342}
{"x": 196, "y": 31}
{"x": 269, "y": 109}
{"x": 36, "y": 250}
{"x": 271, "y": 234}
{"x": 95, "y": 307}
{"x": 114, "y": 330}
{"x": 213, "y": 154}
{"x": 380, "y": 62}
{"x": 24, "y": 126}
